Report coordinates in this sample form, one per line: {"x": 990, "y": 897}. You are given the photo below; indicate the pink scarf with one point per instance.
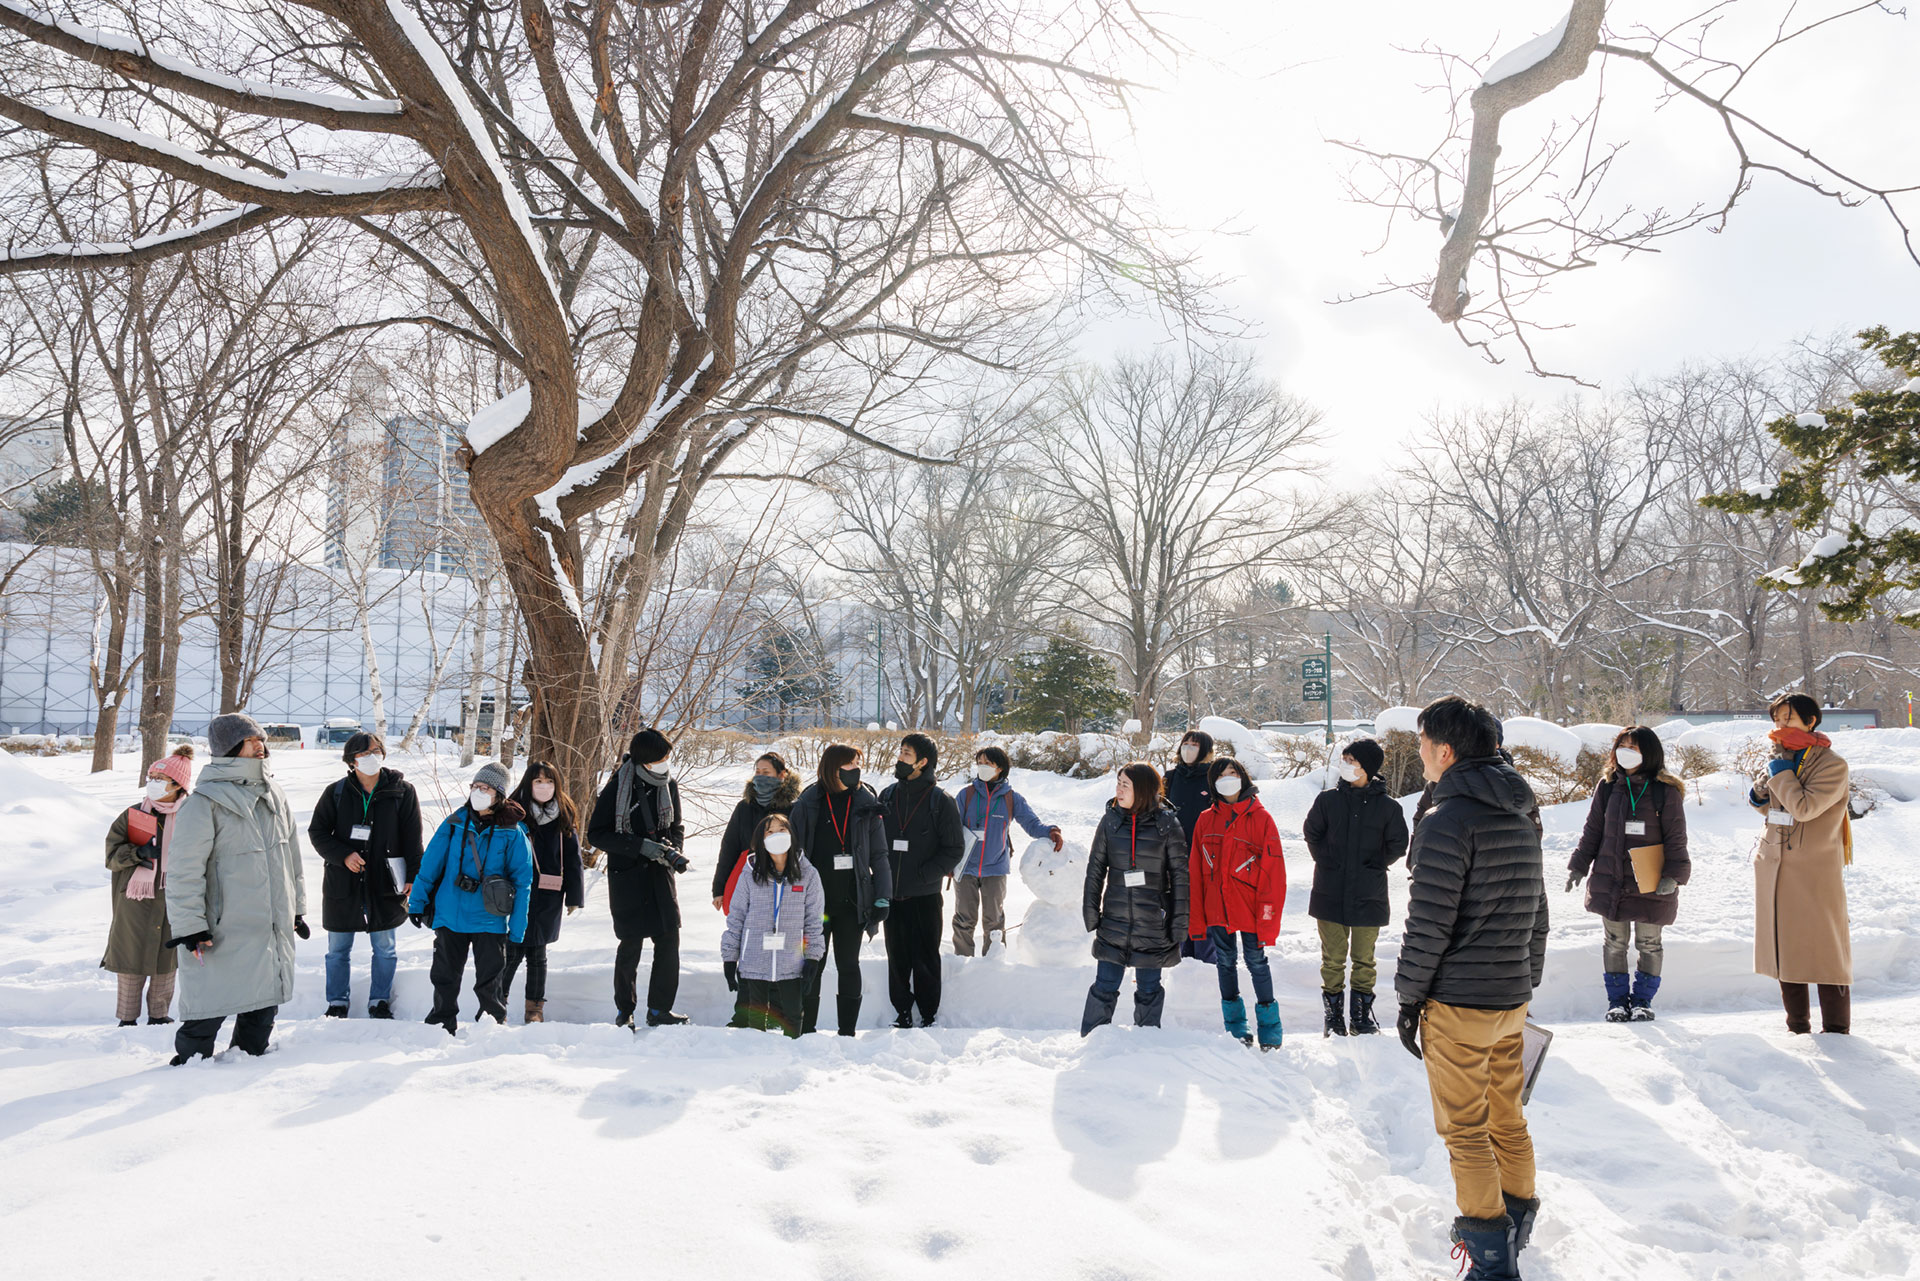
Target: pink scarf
{"x": 146, "y": 880}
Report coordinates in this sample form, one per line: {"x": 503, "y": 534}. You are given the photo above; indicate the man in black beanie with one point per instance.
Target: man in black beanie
{"x": 638, "y": 822}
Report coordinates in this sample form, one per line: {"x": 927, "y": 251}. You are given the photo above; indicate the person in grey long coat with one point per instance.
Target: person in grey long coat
{"x": 236, "y": 897}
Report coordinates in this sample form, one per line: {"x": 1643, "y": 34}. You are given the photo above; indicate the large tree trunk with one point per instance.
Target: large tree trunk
{"x": 470, "y": 720}
{"x": 160, "y": 658}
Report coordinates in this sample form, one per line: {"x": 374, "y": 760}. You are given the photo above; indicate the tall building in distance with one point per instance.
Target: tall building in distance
{"x": 397, "y": 496}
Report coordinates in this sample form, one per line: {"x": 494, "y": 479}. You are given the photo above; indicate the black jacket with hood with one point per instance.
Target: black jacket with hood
{"x": 747, "y": 816}
{"x": 920, "y": 812}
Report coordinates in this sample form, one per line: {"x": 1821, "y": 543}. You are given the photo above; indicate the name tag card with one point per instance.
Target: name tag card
{"x": 1636, "y": 827}
{"x": 901, "y": 845}
{"x": 1779, "y": 818}
{"x": 360, "y": 832}
{"x": 843, "y": 862}
{"x": 1134, "y": 878}
{"x": 773, "y": 942}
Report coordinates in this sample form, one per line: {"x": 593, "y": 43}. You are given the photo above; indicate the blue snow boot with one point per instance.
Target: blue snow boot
{"x": 1644, "y": 986}
{"x": 1234, "y": 1012}
{"x": 1485, "y": 1246}
{"x": 1267, "y": 1015}
{"x": 1619, "y": 1005}
{"x": 1521, "y": 1212}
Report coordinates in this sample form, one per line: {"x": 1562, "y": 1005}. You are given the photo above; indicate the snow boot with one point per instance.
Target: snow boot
{"x": 1234, "y": 1014}
{"x": 1336, "y": 1016}
{"x": 129, "y": 1022}
{"x": 1522, "y": 1213}
{"x": 903, "y": 1020}
{"x": 1644, "y": 986}
{"x": 1484, "y": 1246}
{"x": 536, "y": 1012}
{"x": 849, "y": 1009}
{"x": 336, "y": 1011}
{"x": 157, "y": 1020}
{"x": 1360, "y": 1014}
{"x": 624, "y": 1018}
{"x": 1266, "y": 1014}
{"x": 665, "y": 1018}
{"x": 380, "y": 1010}
{"x": 1147, "y": 1006}
{"x": 1099, "y": 1011}
{"x": 1619, "y": 1004}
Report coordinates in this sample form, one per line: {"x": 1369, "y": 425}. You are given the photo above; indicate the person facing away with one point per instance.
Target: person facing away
{"x": 475, "y": 882}
{"x": 925, "y": 844}
{"x": 138, "y": 842}
{"x": 1473, "y": 951}
{"x": 366, "y": 829}
{"x": 989, "y": 807}
{"x": 638, "y": 821}
{"x": 236, "y": 894}
{"x": 1636, "y": 806}
{"x": 1134, "y": 902}
{"x": 1355, "y": 832}
{"x": 553, "y": 835}
{"x": 1801, "y": 934}
{"x": 1237, "y": 886}
{"x": 838, "y": 824}
{"x": 776, "y": 935}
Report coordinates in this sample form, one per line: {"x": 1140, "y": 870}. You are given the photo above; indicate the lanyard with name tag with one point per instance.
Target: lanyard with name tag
{"x": 1779, "y": 818}
{"x": 1136, "y": 877}
{"x": 843, "y": 862}
{"x": 900, "y": 846}
{"x": 1636, "y": 827}
{"x": 773, "y": 942}
{"x": 360, "y": 832}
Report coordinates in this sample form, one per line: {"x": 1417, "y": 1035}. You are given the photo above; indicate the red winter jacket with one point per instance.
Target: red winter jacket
{"x": 1238, "y": 877}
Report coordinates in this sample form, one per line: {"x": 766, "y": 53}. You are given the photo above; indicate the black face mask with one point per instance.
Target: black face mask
{"x": 903, "y": 771}
{"x": 764, "y": 787}
{"x": 849, "y": 778}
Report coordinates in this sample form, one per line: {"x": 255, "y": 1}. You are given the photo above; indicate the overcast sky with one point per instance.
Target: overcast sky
{"x": 1234, "y": 138}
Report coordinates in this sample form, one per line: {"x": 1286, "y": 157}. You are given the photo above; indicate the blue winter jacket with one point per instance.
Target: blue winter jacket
{"x": 482, "y": 850}
{"x": 993, "y": 808}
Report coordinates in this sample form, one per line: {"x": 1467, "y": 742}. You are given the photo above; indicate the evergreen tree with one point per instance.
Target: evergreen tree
{"x": 786, "y": 672}
{"x": 1060, "y": 687}
{"x": 65, "y": 512}
{"x": 1875, "y": 440}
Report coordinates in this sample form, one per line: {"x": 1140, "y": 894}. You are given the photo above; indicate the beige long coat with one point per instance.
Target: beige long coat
{"x": 1799, "y": 896}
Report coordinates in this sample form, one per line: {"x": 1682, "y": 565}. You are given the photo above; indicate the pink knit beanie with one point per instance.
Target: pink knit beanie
{"x": 178, "y": 767}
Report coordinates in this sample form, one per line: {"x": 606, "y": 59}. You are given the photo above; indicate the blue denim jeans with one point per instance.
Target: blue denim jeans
{"x": 1107, "y": 976}
{"x": 340, "y": 967}
{"x": 1223, "y": 941}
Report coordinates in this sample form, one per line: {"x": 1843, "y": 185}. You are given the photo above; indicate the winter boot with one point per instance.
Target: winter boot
{"x": 1266, "y": 1014}
{"x": 336, "y": 1011}
{"x": 1360, "y": 1014}
{"x": 903, "y": 1020}
{"x": 849, "y": 1008}
{"x": 1147, "y": 1006}
{"x": 155, "y": 1020}
{"x": 1619, "y": 1005}
{"x": 624, "y": 1018}
{"x": 1336, "y": 1015}
{"x": 536, "y": 1012}
{"x": 1234, "y": 1013}
{"x": 1644, "y": 986}
{"x": 1521, "y": 1213}
{"x": 1484, "y": 1246}
{"x": 380, "y": 1010}
{"x": 665, "y": 1018}
{"x": 1099, "y": 1011}
{"x": 129, "y": 1022}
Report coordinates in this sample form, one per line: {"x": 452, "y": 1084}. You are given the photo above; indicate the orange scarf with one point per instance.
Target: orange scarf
{"x": 1799, "y": 740}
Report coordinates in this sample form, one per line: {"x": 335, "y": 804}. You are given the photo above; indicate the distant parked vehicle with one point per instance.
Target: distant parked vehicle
{"x": 338, "y": 730}
{"x": 285, "y": 735}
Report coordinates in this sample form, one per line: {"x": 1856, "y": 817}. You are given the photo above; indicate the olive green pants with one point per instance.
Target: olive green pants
{"x": 1335, "y": 942}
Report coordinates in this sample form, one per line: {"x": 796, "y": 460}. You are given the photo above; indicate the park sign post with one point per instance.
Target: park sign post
{"x": 1316, "y": 682}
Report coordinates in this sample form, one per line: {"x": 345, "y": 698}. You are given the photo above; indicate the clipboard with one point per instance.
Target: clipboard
{"x": 1534, "y": 1041}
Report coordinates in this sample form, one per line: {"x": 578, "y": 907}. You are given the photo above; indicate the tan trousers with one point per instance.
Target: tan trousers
{"x": 1473, "y": 1071}
{"x": 973, "y": 898}
{"x": 1334, "y": 946}
{"x": 159, "y": 988}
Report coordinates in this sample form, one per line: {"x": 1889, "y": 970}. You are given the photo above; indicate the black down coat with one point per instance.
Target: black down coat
{"x": 745, "y": 820}
{"x": 866, "y": 841}
{"x": 370, "y": 900}
{"x": 1354, "y": 834}
{"x": 556, "y": 852}
{"x": 1189, "y": 792}
{"x": 1141, "y": 925}
{"x": 926, "y": 818}
{"x": 640, "y": 890}
{"x": 1476, "y": 933}
{"x": 1612, "y": 890}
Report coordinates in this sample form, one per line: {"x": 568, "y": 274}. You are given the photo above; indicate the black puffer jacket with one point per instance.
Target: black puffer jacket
{"x": 866, "y": 841}
{"x": 1189, "y": 792}
{"x": 747, "y": 816}
{"x": 369, "y": 900}
{"x": 1603, "y": 855}
{"x": 1137, "y": 925}
{"x": 641, "y": 894}
{"x": 1354, "y": 834}
{"x": 1476, "y": 931}
{"x": 920, "y": 813}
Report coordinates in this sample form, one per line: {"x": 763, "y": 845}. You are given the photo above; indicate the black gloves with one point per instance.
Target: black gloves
{"x": 300, "y": 927}
{"x": 1409, "y": 1025}
{"x": 677, "y": 861}
{"x": 418, "y": 918}
{"x": 1573, "y": 879}
{"x": 876, "y": 914}
{"x": 192, "y": 941}
{"x": 732, "y": 971}
{"x": 813, "y": 966}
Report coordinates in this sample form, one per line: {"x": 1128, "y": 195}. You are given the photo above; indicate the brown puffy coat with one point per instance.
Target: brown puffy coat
{"x": 1799, "y": 897}
{"x": 139, "y": 931}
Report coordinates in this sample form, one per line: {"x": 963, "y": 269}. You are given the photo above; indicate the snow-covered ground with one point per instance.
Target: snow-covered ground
{"x": 1709, "y": 1144}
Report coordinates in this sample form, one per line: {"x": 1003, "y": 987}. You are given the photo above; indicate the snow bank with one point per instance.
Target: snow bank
{"x": 1543, "y": 736}
{"x": 1596, "y": 735}
{"x": 1248, "y": 747}
{"x": 1398, "y": 719}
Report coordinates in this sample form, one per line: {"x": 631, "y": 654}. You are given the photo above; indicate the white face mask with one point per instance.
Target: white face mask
{"x": 1351, "y": 772}
{"x": 543, "y": 791}
{"x": 369, "y": 764}
{"x": 1628, "y": 758}
{"x": 1228, "y": 786}
{"x": 779, "y": 842}
{"x": 1189, "y": 752}
{"x": 984, "y": 772}
{"x": 481, "y": 799}
{"x": 661, "y": 767}
{"x": 157, "y": 789}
